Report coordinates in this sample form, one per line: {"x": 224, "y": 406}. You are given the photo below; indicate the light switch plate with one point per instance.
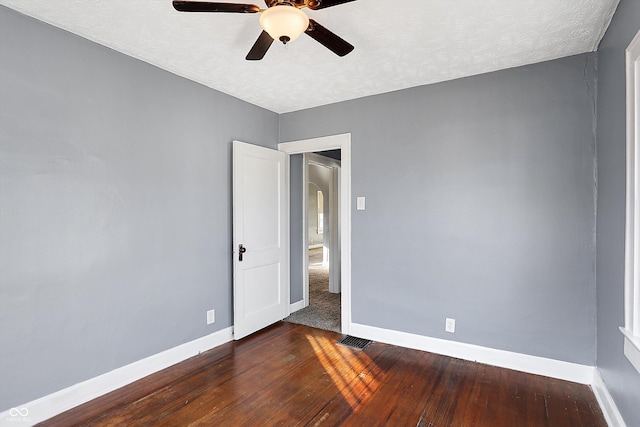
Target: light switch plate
{"x": 360, "y": 203}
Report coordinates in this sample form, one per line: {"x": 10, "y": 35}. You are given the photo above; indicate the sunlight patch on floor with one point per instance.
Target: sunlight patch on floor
{"x": 352, "y": 371}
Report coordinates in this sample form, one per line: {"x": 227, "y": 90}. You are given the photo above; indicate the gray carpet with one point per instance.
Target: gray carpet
{"x": 323, "y": 311}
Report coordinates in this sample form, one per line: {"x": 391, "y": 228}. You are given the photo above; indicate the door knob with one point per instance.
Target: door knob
{"x": 241, "y": 250}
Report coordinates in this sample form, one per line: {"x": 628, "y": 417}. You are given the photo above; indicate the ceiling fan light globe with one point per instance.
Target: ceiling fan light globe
{"x": 284, "y": 22}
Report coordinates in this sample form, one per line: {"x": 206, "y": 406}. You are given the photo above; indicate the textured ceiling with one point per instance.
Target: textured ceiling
{"x": 398, "y": 44}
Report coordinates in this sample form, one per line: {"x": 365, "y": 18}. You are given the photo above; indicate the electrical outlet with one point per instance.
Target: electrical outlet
{"x": 450, "y": 325}
{"x": 211, "y": 316}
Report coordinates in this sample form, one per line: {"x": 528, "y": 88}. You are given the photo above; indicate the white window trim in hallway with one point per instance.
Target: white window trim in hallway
{"x": 631, "y": 330}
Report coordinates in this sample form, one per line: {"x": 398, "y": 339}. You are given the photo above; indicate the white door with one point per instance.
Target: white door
{"x": 260, "y": 238}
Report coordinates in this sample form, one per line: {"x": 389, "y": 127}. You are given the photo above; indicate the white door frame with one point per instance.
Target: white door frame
{"x": 335, "y": 142}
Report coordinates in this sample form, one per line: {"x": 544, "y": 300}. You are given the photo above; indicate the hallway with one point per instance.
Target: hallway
{"x": 323, "y": 311}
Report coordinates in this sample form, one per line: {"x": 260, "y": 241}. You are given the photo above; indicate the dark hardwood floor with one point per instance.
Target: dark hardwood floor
{"x": 294, "y": 375}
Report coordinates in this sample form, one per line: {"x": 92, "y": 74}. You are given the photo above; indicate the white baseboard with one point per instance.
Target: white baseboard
{"x": 505, "y": 359}
{"x": 63, "y": 400}
{"x": 296, "y": 306}
{"x": 606, "y": 402}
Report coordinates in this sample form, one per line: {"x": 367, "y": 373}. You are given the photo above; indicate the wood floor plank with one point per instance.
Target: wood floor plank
{"x": 510, "y": 396}
{"x": 293, "y": 375}
{"x": 473, "y": 411}
{"x": 440, "y": 407}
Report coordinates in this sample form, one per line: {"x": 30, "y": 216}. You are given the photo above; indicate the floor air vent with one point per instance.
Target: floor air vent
{"x": 353, "y": 342}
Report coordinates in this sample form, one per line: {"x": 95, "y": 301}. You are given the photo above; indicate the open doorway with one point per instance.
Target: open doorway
{"x": 334, "y": 254}
{"x": 322, "y": 288}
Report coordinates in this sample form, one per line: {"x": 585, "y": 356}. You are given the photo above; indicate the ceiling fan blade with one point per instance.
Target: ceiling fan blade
{"x": 260, "y": 47}
{"x": 328, "y": 39}
{"x": 206, "y": 6}
{"x": 321, "y": 4}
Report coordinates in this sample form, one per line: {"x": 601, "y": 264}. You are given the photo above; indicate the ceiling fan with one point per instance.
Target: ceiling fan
{"x": 282, "y": 20}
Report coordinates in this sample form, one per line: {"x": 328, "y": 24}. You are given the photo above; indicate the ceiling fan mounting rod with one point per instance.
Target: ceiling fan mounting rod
{"x": 284, "y": 3}
{"x": 296, "y": 3}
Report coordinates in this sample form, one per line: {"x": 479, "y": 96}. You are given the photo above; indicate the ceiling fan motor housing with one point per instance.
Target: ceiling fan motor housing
{"x": 284, "y": 22}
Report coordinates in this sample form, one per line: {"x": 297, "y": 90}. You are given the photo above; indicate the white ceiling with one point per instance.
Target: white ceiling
{"x": 398, "y": 44}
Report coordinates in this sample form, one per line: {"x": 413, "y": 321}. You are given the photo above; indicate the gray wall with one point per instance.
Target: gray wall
{"x": 621, "y": 378}
{"x": 482, "y": 190}
{"x": 296, "y": 282}
{"x": 115, "y": 212}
